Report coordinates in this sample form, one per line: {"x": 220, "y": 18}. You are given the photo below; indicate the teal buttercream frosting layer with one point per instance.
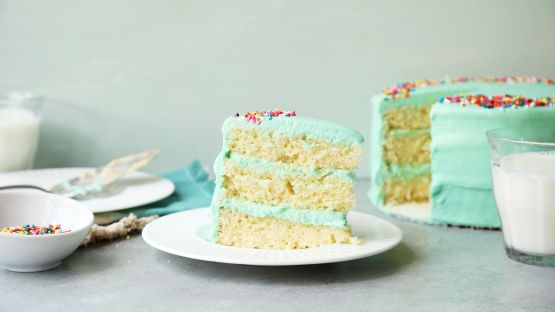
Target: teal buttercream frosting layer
{"x": 286, "y": 212}
{"x": 286, "y": 170}
{"x": 460, "y": 167}
{"x": 407, "y": 171}
{"x": 300, "y": 126}
{"x": 376, "y": 157}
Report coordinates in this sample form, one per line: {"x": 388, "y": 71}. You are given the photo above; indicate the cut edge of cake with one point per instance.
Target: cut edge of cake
{"x": 268, "y": 157}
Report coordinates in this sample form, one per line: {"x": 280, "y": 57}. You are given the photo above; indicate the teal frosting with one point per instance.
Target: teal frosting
{"x": 324, "y": 217}
{"x": 376, "y": 157}
{"x": 461, "y": 169}
{"x": 75, "y": 190}
{"x": 282, "y": 170}
{"x": 430, "y": 95}
{"x": 461, "y": 172}
{"x": 407, "y": 171}
{"x": 299, "y": 126}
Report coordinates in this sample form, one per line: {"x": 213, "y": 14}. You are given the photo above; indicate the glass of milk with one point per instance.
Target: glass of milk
{"x": 523, "y": 161}
{"x": 19, "y": 130}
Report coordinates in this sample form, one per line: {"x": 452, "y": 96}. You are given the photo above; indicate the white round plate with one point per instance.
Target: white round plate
{"x": 137, "y": 188}
{"x": 182, "y": 234}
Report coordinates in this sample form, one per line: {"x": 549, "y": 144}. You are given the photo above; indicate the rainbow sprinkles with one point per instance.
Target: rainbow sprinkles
{"x": 498, "y": 101}
{"x": 34, "y": 230}
{"x": 404, "y": 90}
{"x": 257, "y": 116}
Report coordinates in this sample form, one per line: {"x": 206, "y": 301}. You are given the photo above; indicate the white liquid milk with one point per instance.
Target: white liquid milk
{"x": 524, "y": 189}
{"x": 19, "y": 129}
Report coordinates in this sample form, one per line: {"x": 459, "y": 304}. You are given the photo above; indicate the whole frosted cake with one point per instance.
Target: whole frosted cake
{"x": 430, "y": 159}
{"x": 284, "y": 182}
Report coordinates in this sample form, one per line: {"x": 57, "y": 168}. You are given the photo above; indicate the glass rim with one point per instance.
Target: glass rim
{"x": 493, "y": 134}
{"x": 19, "y": 97}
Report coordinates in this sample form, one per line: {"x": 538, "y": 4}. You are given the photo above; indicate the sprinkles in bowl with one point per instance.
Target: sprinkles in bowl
{"x": 34, "y": 230}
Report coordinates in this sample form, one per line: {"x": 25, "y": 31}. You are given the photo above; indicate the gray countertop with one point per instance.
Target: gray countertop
{"x": 434, "y": 268}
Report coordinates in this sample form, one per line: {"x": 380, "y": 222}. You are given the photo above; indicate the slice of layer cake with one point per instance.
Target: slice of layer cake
{"x": 284, "y": 182}
{"x": 430, "y": 157}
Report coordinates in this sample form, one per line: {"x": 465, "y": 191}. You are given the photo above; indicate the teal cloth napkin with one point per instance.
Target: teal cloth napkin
{"x": 193, "y": 189}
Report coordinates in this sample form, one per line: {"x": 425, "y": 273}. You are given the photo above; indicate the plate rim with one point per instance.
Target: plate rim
{"x": 169, "y": 184}
{"x": 263, "y": 262}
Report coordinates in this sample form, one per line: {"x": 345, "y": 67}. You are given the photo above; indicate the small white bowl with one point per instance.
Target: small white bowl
{"x": 32, "y": 253}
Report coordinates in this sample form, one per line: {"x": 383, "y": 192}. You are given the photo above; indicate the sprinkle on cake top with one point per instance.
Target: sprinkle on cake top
{"x": 498, "y": 101}
{"x": 257, "y": 116}
{"x": 404, "y": 90}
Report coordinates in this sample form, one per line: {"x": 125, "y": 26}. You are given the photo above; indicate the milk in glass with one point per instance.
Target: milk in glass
{"x": 19, "y": 130}
{"x": 524, "y": 189}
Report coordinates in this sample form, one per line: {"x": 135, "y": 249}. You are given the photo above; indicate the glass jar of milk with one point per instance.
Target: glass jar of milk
{"x": 19, "y": 130}
{"x": 523, "y": 161}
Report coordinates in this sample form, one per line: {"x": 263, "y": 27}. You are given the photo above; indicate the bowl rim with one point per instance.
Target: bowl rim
{"x": 76, "y": 231}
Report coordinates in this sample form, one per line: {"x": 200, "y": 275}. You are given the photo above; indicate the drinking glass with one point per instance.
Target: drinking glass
{"x": 19, "y": 130}
{"x": 523, "y": 165}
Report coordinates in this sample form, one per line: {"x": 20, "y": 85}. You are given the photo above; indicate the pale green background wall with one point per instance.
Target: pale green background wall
{"x": 121, "y": 76}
